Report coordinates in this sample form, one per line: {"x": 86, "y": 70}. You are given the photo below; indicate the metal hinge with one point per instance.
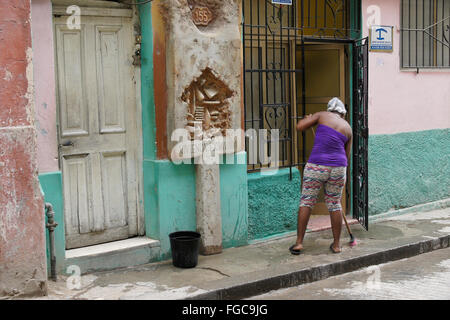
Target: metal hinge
{"x": 137, "y": 51}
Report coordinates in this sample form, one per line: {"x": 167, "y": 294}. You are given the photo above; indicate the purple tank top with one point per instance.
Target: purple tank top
{"x": 329, "y": 148}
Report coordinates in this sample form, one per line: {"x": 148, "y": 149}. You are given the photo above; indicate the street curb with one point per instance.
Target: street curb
{"x": 296, "y": 278}
{"x": 424, "y": 207}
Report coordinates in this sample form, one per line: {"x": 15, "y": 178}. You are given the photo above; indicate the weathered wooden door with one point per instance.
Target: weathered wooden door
{"x": 98, "y": 128}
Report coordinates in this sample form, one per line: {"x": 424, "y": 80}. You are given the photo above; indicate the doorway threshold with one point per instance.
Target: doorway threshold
{"x": 112, "y": 255}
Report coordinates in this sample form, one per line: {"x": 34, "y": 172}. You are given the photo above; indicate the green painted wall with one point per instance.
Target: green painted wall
{"x": 273, "y": 203}
{"x": 407, "y": 169}
{"x": 147, "y": 92}
{"x": 169, "y": 199}
{"x": 51, "y": 184}
{"x": 233, "y": 201}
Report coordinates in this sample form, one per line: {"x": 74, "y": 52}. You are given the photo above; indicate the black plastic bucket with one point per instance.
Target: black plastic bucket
{"x": 185, "y": 246}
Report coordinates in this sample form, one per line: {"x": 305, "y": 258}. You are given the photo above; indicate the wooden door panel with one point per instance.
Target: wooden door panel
{"x": 110, "y": 90}
{"x": 75, "y": 180}
{"x": 115, "y": 189}
{"x": 71, "y": 85}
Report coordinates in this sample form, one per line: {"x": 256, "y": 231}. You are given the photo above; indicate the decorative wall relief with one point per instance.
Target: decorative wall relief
{"x": 208, "y": 107}
{"x": 203, "y": 73}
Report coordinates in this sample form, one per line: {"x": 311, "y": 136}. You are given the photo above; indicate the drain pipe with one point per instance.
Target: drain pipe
{"x": 51, "y": 225}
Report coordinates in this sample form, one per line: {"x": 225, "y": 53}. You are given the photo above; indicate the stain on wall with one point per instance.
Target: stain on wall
{"x": 192, "y": 50}
{"x": 22, "y": 232}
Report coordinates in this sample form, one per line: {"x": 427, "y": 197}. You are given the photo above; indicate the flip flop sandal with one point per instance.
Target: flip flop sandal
{"x": 295, "y": 251}
{"x": 332, "y": 249}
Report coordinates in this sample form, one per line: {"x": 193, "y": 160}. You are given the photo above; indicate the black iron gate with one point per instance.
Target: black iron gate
{"x": 360, "y": 131}
{"x": 274, "y": 40}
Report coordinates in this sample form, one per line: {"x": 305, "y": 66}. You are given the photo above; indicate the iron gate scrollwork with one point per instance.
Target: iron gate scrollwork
{"x": 360, "y": 131}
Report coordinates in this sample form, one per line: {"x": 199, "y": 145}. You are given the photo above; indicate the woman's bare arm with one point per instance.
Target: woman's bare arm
{"x": 308, "y": 121}
{"x": 348, "y": 147}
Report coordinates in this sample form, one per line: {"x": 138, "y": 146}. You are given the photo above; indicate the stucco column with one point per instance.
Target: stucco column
{"x": 204, "y": 81}
{"x": 209, "y": 221}
{"x": 23, "y": 269}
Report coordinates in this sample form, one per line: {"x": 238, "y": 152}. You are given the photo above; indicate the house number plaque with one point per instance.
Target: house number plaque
{"x": 202, "y": 16}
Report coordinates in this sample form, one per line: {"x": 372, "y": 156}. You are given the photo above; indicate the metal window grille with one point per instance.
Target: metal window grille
{"x": 425, "y": 34}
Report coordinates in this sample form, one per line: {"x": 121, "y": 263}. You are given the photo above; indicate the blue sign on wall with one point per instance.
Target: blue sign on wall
{"x": 288, "y": 2}
{"x": 381, "y": 38}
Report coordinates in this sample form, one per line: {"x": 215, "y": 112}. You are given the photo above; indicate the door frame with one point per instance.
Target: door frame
{"x": 106, "y": 9}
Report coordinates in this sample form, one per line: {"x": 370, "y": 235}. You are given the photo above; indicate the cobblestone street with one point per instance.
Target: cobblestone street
{"x": 424, "y": 277}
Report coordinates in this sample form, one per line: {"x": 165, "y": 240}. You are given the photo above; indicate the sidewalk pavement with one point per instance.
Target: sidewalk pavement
{"x": 258, "y": 268}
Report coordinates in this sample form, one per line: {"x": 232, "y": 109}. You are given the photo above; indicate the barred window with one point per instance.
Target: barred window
{"x": 425, "y": 34}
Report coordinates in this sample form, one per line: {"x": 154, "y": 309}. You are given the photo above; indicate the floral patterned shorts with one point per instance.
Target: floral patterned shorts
{"x": 314, "y": 176}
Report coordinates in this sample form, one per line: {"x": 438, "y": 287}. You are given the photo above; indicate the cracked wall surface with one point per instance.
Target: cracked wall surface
{"x": 192, "y": 49}
{"x": 22, "y": 231}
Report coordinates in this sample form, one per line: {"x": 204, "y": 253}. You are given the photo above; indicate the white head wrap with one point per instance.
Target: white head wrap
{"x": 336, "y": 105}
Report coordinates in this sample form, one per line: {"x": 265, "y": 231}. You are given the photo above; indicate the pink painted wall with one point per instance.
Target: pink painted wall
{"x": 403, "y": 101}
{"x": 44, "y": 80}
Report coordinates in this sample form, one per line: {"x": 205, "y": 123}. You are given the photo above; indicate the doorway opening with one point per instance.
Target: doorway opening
{"x": 296, "y": 58}
{"x": 325, "y": 77}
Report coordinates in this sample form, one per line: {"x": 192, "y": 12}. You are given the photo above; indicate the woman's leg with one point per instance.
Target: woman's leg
{"x": 333, "y": 195}
{"x": 336, "y": 227}
{"x": 313, "y": 178}
{"x": 302, "y": 222}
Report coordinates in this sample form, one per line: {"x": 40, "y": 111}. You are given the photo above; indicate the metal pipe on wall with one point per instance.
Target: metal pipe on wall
{"x": 51, "y": 225}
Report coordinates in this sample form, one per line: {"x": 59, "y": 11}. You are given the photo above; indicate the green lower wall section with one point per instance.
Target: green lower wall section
{"x": 51, "y": 185}
{"x": 407, "y": 169}
{"x": 233, "y": 201}
{"x": 273, "y": 202}
{"x": 169, "y": 200}
{"x": 169, "y": 192}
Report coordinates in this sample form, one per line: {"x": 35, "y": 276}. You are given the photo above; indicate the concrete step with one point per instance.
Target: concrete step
{"x": 113, "y": 255}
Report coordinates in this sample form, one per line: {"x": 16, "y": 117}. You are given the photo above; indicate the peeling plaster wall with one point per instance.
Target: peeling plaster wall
{"x": 22, "y": 231}
{"x": 191, "y": 50}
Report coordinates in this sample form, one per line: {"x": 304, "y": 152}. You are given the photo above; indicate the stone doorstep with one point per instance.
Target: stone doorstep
{"x": 237, "y": 288}
{"x": 113, "y": 255}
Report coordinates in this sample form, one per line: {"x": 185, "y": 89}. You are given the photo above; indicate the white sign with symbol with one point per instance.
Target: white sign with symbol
{"x": 286, "y": 2}
{"x": 381, "y": 38}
